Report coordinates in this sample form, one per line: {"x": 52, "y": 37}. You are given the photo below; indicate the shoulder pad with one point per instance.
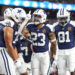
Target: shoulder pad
{"x": 55, "y": 24}
{"x": 8, "y": 22}
{"x": 2, "y": 22}
{"x": 50, "y": 27}
{"x": 73, "y": 23}
{"x": 30, "y": 23}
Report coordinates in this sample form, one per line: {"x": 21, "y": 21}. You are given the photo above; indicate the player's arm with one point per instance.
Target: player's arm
{"x": 52, "y": 37}
{"x": 26, "y": 33}
{"x": 8, "y": 37}
{"x": 31, "y": 47}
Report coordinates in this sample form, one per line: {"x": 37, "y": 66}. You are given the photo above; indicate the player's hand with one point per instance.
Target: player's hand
{"x": 20, "y": 65}
{"x": 20, "y": 55}
{"x": 28, "y": 17}
{"x": 53, "y": 67}
{"x": 54, "y": 64}
{"x": 19, "y": 62}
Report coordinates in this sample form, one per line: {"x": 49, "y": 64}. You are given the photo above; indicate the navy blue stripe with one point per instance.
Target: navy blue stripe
{"x": 4, "y": 62}
{"x": 48, "y": 70}
{"x": 62, "y": 12}
{"x": 37, "y": 10}
{"x": 7, "y": 62}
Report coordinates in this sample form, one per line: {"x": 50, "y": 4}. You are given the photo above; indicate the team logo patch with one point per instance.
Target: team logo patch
{"x": 44, "y": 30}
{"x": 69, "y": 28}
{"x": 26, "y": 44}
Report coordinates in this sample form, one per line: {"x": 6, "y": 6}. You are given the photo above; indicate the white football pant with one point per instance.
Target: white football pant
{"x": 40, "y": 63}
{"x": 66, "y": 61}
{"x": 7, "y": 66}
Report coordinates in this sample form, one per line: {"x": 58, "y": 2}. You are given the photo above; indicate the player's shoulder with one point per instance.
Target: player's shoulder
{"x": 72, "y": 23}
{"x": 30, "y": 24}
{"x": 8, "y": 22}
{"x": 2, "y": 22}
{"x": 55, "y": 24}
{"x": 29, "y": 40}
{"x": 49, "y": 26}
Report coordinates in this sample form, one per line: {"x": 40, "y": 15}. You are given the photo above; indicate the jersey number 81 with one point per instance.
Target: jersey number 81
{"x": 63, "y": 37}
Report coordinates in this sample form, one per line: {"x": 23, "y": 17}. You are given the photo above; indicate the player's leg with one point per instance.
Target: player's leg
{"x": 22, "y": 69}
{"x": 29, "y": 70}
{"x": 45, "y": 63}
{"x": 68, "y": 65}
{"x": 7, "y": 64}
{"x": 35, "y": 64}
{"x": 67, "y": 73}
{"x": 1, "y": 64}
{"x": 61, "y": 64}
{"x": 72, "y": 61}
{"x": 1, "y": 72}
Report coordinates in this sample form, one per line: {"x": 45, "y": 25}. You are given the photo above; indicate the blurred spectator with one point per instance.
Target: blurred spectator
{"x": 43, "y": 0}
{"x": 67, "y": 1}
{"x": 72, "y": 15}
{"x": 60, "y": 1}
{"x": 51, "y": 14}
{"x": 1, "y": 18}
{"x": 54, "y": 1}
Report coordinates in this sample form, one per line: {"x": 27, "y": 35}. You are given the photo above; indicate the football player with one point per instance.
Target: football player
{"x": 8, "y": 50}
{"x": 6, "y": 46}
{"x": 65, "y": 33}
{"x": 21, "y": 18}
{"x": 41, "y": 34}
{"x": 26, "y": 50}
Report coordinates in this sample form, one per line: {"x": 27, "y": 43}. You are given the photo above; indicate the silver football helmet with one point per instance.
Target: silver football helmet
{"x": 39, "y": 16}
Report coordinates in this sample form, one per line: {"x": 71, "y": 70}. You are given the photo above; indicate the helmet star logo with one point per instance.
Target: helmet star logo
{"x": 19, "y": 11}
{"x": 5, "y": 11}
